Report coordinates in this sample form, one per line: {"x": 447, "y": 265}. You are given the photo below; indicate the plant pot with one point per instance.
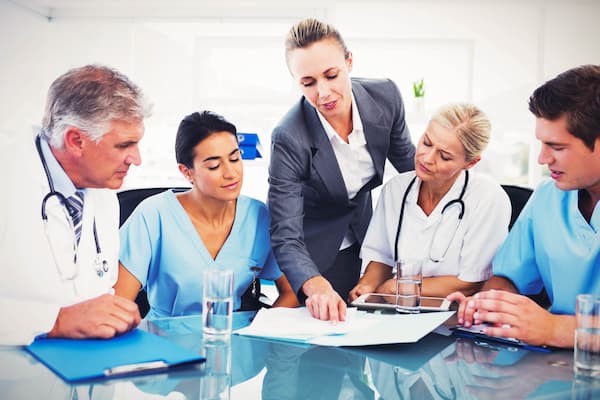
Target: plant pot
{"x": 419, "y": 105}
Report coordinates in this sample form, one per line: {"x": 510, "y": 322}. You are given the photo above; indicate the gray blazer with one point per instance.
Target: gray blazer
{"x": 308, "y": 200}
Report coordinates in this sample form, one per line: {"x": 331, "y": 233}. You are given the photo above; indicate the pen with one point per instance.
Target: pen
{"x": 542, "y": 349}
{"x": 138, "y": 367}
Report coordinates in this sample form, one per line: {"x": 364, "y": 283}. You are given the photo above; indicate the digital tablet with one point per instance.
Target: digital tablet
{"x": 376, "y": 301}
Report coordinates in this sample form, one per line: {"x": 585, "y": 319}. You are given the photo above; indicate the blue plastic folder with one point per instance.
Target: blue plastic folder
{"x": 250, "y": 146}
{"x": 134, "y": 352}
{"x": 248, "y": 139}
{"x": 250, "y": 152}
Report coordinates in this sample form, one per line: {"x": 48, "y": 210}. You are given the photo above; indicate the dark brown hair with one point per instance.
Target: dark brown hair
{"x": 193, "y": 129}
{"x": 576, "y": 94}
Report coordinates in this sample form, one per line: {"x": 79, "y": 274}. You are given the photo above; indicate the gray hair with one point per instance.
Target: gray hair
{"x": 309, "y": 31}
{"x": 90, "y": 98}
{"x": 471, "y": 125}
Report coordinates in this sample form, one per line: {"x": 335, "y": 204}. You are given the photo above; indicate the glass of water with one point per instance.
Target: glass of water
{"x": 217, "y": 303}
{"x": 408, "y": 285}
{"x": 587, "y": 336}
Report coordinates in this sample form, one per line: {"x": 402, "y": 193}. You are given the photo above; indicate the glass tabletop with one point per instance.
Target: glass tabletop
{"x": 436, "y": 367}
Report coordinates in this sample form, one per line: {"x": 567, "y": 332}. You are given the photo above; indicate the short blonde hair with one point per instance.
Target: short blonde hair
{"x": 309, "y": 31}
{"x": 471, "y": 125}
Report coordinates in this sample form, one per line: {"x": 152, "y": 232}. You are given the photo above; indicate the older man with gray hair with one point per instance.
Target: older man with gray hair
{"x": 59, "y": 238}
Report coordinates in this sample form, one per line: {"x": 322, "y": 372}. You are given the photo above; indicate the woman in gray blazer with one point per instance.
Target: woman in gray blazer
{"x": 327, "y": 153}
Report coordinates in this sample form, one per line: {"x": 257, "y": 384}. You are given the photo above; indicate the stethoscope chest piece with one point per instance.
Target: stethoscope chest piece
{"x": 101, "y": 265}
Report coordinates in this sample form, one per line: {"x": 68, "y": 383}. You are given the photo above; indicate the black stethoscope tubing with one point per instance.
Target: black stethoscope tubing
{"x": 61, "y": 198}
{"x": 458, "y": 200}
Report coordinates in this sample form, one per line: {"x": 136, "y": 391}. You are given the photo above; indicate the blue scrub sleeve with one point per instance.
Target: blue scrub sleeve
{"x": 515, "y": 259}
{"x": 136, "y": 245}
{"x": 271, "y": 270}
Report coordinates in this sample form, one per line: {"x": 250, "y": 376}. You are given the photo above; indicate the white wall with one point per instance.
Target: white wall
{"x": 493, "y": 53}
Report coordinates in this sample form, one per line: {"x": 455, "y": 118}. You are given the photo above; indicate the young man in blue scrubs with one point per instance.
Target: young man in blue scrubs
{"x": 555, "y": 243}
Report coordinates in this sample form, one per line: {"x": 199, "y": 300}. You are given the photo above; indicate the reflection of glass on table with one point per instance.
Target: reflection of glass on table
{"x": 215, "y": 383}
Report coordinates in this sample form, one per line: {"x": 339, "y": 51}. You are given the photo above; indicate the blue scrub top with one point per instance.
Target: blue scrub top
{"x": 162, "y": 249}
{"x": 551, "y": 245}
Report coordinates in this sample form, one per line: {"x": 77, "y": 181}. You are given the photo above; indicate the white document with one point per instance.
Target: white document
{"x": 359, "y": 329}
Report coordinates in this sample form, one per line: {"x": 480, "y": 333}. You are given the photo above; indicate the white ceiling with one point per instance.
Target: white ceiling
{"x": 226, "y": 9}
{"x": 258, "y": 9}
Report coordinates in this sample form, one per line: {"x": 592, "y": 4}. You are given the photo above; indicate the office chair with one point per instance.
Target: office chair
{"x": 518, "y": 196}
{"x": 128, "y": 201}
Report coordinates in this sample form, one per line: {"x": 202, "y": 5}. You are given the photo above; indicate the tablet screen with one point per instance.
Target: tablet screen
{"x": 374, "y": 300}
{"x": 381, "y": 299}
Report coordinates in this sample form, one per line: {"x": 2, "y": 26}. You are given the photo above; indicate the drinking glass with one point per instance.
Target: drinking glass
{"x": 217, "y": 303}
{"x": 587, "y": 336}
{"x": 408, "y": 286}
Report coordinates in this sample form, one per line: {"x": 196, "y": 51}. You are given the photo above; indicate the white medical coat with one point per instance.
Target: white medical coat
{"x": 470, "y": 250}
{"x": 32, "y": 290}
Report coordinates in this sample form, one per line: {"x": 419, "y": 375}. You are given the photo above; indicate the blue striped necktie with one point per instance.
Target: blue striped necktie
{"x": 75, "y": 207}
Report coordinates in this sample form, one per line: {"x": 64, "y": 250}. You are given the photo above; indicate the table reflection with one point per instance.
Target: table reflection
{"x": 436, "y": 367}
{"x": 470, "y": 369}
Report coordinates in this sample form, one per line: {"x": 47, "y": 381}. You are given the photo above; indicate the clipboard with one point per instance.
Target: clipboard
{"x": 475, "y": 332}
{"x": 134, "y": 352}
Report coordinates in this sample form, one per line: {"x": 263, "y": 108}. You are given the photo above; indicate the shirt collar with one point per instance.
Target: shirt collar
{"x": 356, "y": 122}
{"x": 453, "y": 192}
{"x": 60, "y": 179}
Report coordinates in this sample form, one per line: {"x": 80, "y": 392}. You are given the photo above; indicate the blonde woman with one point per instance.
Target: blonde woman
{"x": 450, "y": 218}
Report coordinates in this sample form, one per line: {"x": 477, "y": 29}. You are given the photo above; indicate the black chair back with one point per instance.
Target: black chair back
{"x": 129, "y": 199}
{"x": 518, "y": 196}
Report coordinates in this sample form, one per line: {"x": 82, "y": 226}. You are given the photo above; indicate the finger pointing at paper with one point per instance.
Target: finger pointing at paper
{"x": 323, "y": 302}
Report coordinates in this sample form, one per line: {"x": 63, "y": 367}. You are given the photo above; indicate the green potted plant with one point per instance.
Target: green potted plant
{"x": 419, "y": 92}
{"x": 419, "y": 88}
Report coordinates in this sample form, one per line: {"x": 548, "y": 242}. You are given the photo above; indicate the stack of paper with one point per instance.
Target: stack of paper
{"x": 359, "y": 329}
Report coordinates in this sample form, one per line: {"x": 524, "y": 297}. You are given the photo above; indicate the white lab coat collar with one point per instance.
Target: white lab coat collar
{"x": 435, "y": 215}
{"x": 60, "y": 179}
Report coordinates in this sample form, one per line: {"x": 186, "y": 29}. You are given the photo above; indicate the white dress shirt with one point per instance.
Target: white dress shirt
{"x": 470, "y": 248}
{"x": 353, "y": 158}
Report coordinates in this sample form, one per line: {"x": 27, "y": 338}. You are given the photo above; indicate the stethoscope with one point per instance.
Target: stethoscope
{"x": 458, "y": 201}
{"x": 100, "y": 262}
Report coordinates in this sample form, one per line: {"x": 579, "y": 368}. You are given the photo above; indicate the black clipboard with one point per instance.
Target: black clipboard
{"x": 134, "y": 352}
